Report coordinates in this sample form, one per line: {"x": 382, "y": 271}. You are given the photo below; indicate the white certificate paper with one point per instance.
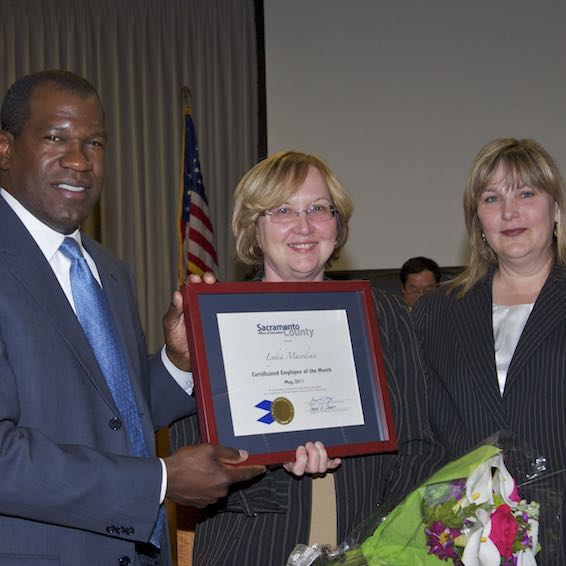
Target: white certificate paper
{"x": 289, "y": 371}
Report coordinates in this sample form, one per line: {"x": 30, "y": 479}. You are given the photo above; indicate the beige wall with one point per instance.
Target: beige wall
{"x": 399, "y": 96}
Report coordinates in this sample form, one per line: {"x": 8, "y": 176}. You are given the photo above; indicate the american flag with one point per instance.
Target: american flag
{"x": 197, "y": 248}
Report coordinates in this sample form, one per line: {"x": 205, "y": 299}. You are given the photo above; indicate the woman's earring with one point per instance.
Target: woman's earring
{"x": 483, "y": 238}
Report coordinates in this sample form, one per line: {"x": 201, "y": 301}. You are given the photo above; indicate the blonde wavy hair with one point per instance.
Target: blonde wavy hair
{"x": 524, "y": 161}
{"x": 272, "y": 182}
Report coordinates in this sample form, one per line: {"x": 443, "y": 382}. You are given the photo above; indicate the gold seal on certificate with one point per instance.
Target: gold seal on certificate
{"x": 282, "y": 410}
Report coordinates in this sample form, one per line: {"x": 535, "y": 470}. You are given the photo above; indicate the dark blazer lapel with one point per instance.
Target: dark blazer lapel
{"x": 29, "y": 266}
{"x": 472, "y": 318}
{"x": 548, "y": 311}
{"x": 115, "y": 283}
{"x": 116, "y": 291}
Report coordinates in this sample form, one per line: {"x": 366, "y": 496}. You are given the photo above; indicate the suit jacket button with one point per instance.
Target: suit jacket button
{"x": 124, "y": 561}
{"x": 130, "y": 531}
{"x": 115, "y": 423}
{"x": 110, "y": 529}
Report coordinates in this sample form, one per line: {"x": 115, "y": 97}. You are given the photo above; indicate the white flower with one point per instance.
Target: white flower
{"x": 503, "y": 482}
{"x": 480, "y": 550}
{"x": 479, "y": 485}
{"x": 482, "y": 483}
{"x": 526, "y": 558}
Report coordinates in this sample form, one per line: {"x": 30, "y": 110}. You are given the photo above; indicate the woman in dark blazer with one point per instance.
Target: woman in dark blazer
{"x": 290, "y": 220}
{"x": 494, "y": 339}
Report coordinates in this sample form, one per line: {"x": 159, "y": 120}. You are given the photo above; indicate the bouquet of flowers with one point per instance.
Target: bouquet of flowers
{"x": 481, "y": 519}
{"x": 469, "y": 513}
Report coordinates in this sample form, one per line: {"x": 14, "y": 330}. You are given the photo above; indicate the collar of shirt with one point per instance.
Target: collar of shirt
{"x": 48, "y": 241}
{"x": 45, "y": 237}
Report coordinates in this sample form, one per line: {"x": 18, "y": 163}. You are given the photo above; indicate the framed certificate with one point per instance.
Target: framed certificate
{"x": 277, "y": 365}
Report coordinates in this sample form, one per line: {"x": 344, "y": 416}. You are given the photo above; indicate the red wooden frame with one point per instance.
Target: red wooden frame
{"x": 202, "y": 378}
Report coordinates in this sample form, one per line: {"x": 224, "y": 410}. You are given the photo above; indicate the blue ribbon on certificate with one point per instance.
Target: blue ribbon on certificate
{"x": 266, "y": 406}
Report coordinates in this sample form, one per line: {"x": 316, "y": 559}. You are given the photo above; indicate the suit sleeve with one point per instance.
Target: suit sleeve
{"x": 419, "y": 455}
{"x": 184, "y": 431}
{"x": 369, "y": 486}
{"x": 439, "y": 402}
{"x": 167, "y": 400}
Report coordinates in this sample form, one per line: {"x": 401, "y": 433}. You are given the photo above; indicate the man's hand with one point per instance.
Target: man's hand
{"x": 176, "y": 345}
{"x": 199, "y": 475}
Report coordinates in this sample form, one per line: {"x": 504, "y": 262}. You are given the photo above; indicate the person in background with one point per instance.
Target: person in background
{"x": 494, "y": 338}
{"x": 79, "y": 396}
{"x": 291, "y": 221}
{"x": 419, "y": 276}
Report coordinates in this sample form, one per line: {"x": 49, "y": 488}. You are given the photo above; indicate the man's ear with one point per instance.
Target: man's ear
{"x": 6, "y": 141}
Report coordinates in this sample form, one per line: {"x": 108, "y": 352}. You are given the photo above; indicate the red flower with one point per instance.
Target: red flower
{"x": 514, "y": 494}
{"x": 503, "y": 530}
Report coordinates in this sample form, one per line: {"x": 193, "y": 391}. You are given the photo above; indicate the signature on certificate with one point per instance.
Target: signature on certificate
{"x": 281, "y": 355}
{"x": 322, "y": 404}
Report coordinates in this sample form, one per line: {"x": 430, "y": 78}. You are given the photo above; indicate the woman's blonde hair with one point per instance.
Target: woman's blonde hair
{"x": 524, "y": 161}
{"x": 271, "y": 183}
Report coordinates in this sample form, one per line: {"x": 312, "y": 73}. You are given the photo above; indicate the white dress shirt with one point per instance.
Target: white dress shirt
{"x": 508, "y": 325}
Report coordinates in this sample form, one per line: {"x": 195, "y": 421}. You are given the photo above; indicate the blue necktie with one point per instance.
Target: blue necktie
{"x": 96, "y": 319}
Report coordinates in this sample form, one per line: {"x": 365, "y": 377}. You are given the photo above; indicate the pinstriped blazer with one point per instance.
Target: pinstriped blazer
{"x": 259, "y": 523}
{"x": 466, "y": 406}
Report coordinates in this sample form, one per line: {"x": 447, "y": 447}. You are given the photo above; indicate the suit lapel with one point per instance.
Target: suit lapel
{"x": 117, "y": 294}
{"x": 30, "y": 268}
{"x": 113, "y": 283}
{"x": 472, "y": 318}
{"x": 548, "y": 312}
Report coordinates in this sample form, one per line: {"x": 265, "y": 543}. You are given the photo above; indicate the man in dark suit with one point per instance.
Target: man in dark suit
{"x": 72, "y": 489}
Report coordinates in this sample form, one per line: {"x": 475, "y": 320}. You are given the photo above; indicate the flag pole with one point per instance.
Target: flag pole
{"x": 186, "y": 109}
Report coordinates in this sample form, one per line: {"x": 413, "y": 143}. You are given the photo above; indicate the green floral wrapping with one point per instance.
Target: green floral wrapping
{"x": 400, "y": 539}
{"x": 469, "y": 513}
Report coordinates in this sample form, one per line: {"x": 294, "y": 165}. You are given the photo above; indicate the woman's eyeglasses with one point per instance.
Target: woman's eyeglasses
{"x": 315, "y": 212}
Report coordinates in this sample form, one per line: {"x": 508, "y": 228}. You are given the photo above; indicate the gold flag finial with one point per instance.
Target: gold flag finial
{"x": 186, "y": 96}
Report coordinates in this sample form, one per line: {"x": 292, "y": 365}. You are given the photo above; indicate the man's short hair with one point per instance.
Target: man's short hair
{"x": 417, "y": 265}
{"x": 15, "y": 110}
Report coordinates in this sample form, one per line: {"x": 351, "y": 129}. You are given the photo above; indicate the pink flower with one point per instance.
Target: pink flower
{"x": 503, "y": 530}
{"x": 514, "y": 494}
